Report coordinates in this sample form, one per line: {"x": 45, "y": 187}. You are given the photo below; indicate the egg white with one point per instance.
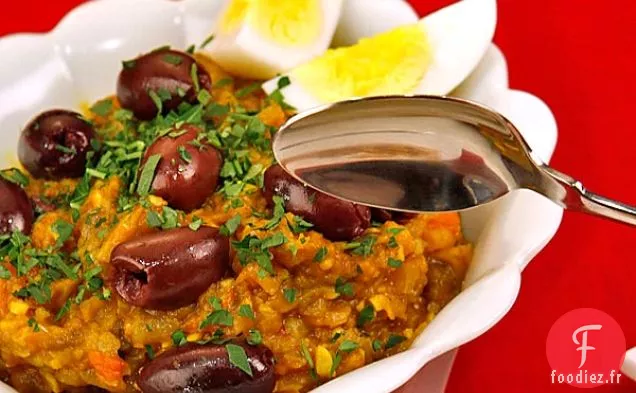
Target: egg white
{"x": 458, "y": 37}
{"x": 247, "y": 53}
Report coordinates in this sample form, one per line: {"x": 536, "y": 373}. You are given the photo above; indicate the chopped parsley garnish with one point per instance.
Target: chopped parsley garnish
{"x": 184, "y": 154}
{"x": 128, "y": 64}
{"x": 150, "y": 351}
{"x": 15, "y": 176}
{"x": 230, "y": 226}
{"x": 278, "y": 212}
{"x": 299, "y": 225}
{"x": 168, "y": 219}
{"x": 238, "y": 358}
{"x": 394, "y": 263}
{"x": 190, "y": 50}
{"x": 5, "y": 274}
{"x": 179, "y": 338}
{"x": 290, "y": 294}
{"x": 246, "y": 311}
{"x": 63, "y": 310}
{"x": 66, "y": 150}
{"x": 376, "y": 345}
{"x": 247, "y": 90}
{"x": 33, "y": 324}
{"x": 392, "y": 243}
{"x": 254, "y": 337}
{"x": 365, "y": 316}
{"x": 363, "y": 247}
{"x": 395, "y": 231}
{"x": 196, "y": 223}
{"x": 283, "y": 82}
{"x": 156, "y": 100}
{"x": 217, "y": 317}
{"x": 393, "y": 340}
{"x": 320, "y": 254}
{"x": 344, "y": 288}
{"x": 274, "y": 240}
{"x": 310, "y": 362}
{"x": 64, "y": 230}
{"x": 194, "y": 74}
{"x": 102, "y": 108}
{"x": 206, "y": 41}
{"x": 345, "y": 347}
{"x": 172, "y": 59}
{"x": 223, "y": 82}
{"x": 148, "y": 174}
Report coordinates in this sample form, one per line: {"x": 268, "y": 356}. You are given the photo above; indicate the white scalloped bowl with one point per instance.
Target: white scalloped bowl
{"x": 79, "y": 62}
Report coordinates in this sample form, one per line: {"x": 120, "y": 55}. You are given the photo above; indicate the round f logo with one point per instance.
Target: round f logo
{"x": 583, "y": 330}
{"x": 585, "y": 348}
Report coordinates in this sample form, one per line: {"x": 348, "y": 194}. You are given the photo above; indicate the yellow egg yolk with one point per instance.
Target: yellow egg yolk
{"x": 286, "y": 22}
{"x": 390, "y": 63}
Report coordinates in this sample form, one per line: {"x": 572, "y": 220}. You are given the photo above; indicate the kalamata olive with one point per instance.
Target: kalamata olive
{"x": 443, "y": 284}
{"x": 169, "y": 269}
{"x": 186, "y": 174}
{"x": 164, "y": 72}
{"x": 16, "y": 212}
{"x": 54, "y": 144}
{"x": 383, "y": 215}
{"x": 334, "y": 218}
{"x": 207, "y": 368}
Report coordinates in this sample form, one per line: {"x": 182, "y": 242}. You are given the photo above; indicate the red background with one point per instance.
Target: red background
{"x": 579, "y": 56}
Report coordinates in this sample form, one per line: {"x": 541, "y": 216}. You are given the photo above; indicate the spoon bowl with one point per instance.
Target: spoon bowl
{"x": 423, "y": 154}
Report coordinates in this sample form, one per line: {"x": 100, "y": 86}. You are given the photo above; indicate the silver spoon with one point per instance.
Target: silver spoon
{"x": 424, "y": 154}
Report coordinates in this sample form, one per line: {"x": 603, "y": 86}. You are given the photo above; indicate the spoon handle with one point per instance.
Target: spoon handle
{"x": 571, "y": 194}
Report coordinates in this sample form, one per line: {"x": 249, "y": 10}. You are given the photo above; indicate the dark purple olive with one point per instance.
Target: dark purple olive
{"x": 165, "y": 72}
{"x": 443, "y": 284}
{"x": 16, "y": 212}
{"x": 206, "y": 368}
{"x": 54, "y": 144}
{"x": 187, "y": 174}
{"x": 383, "y": 215}
{"x": 334, "y": 218}
{"x": 169, "y": 269}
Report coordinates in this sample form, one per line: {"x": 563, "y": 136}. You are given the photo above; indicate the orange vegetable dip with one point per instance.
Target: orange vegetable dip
{"x": 377, "y": 291}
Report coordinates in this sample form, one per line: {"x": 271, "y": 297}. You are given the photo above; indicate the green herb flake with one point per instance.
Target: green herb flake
{"x": 392, "y": 243}
{"x": 5, "y": 274}
{"x": 196, "y": 223}
{"x": 376, "y": 345}
{"x": 394, "y": 231}
{"x": 238, "y": 358}
{"x": 246, "y": 311}
{"x": 128, "y": 64}
{"x": 365, "y": 247}
{"x": 205, "y": 42}
{"x": 150, "y": 351}
{"x": 156, "y": 100}
{"x": 278, "y": 212}
{"x": 148, "y": 174}
{"x": 247, "y": 90}
{"x": 217, "y": 317}
{"x": 173, "y": 59}
{"x": 170, "y": 218}
{"x": 299, "y": 225}
{"x": 394, "y": 263}
{"x": 230, "y": 226}
{"x": 283, "y": 82}
{"x": 190, "y": 50}
{"x": 179, "y": 338}
{"x": 184, "y": 154}
{"x": 63, "y": 310}
{"x": 33, "y": 324}
{"x": 64, "y": 230}
{"x": 344, "y": 288}
{"x": 15, "y": 176}
{"x": 153, "y": 219}
{"x": 320, "y": 254}
{"x": 348, "y": 346}
{"x": 290, "y": 294}
{"x": 274, "y": 240}
{"x": 254, "y": 337}
{"x": 66, "y": 150}
{"x": 304, "y": 351}
{"x": 223, "y": 82}
{"x": 194, "y": 74}
{"x": 393, "y": 340}
{"x": 102, "y": 108}
{"x": 366, "y": 315}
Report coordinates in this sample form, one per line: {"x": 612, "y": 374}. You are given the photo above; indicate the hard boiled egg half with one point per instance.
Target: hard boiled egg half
{"x": 259, "y": 39}
{"x": 432, "y": 56}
